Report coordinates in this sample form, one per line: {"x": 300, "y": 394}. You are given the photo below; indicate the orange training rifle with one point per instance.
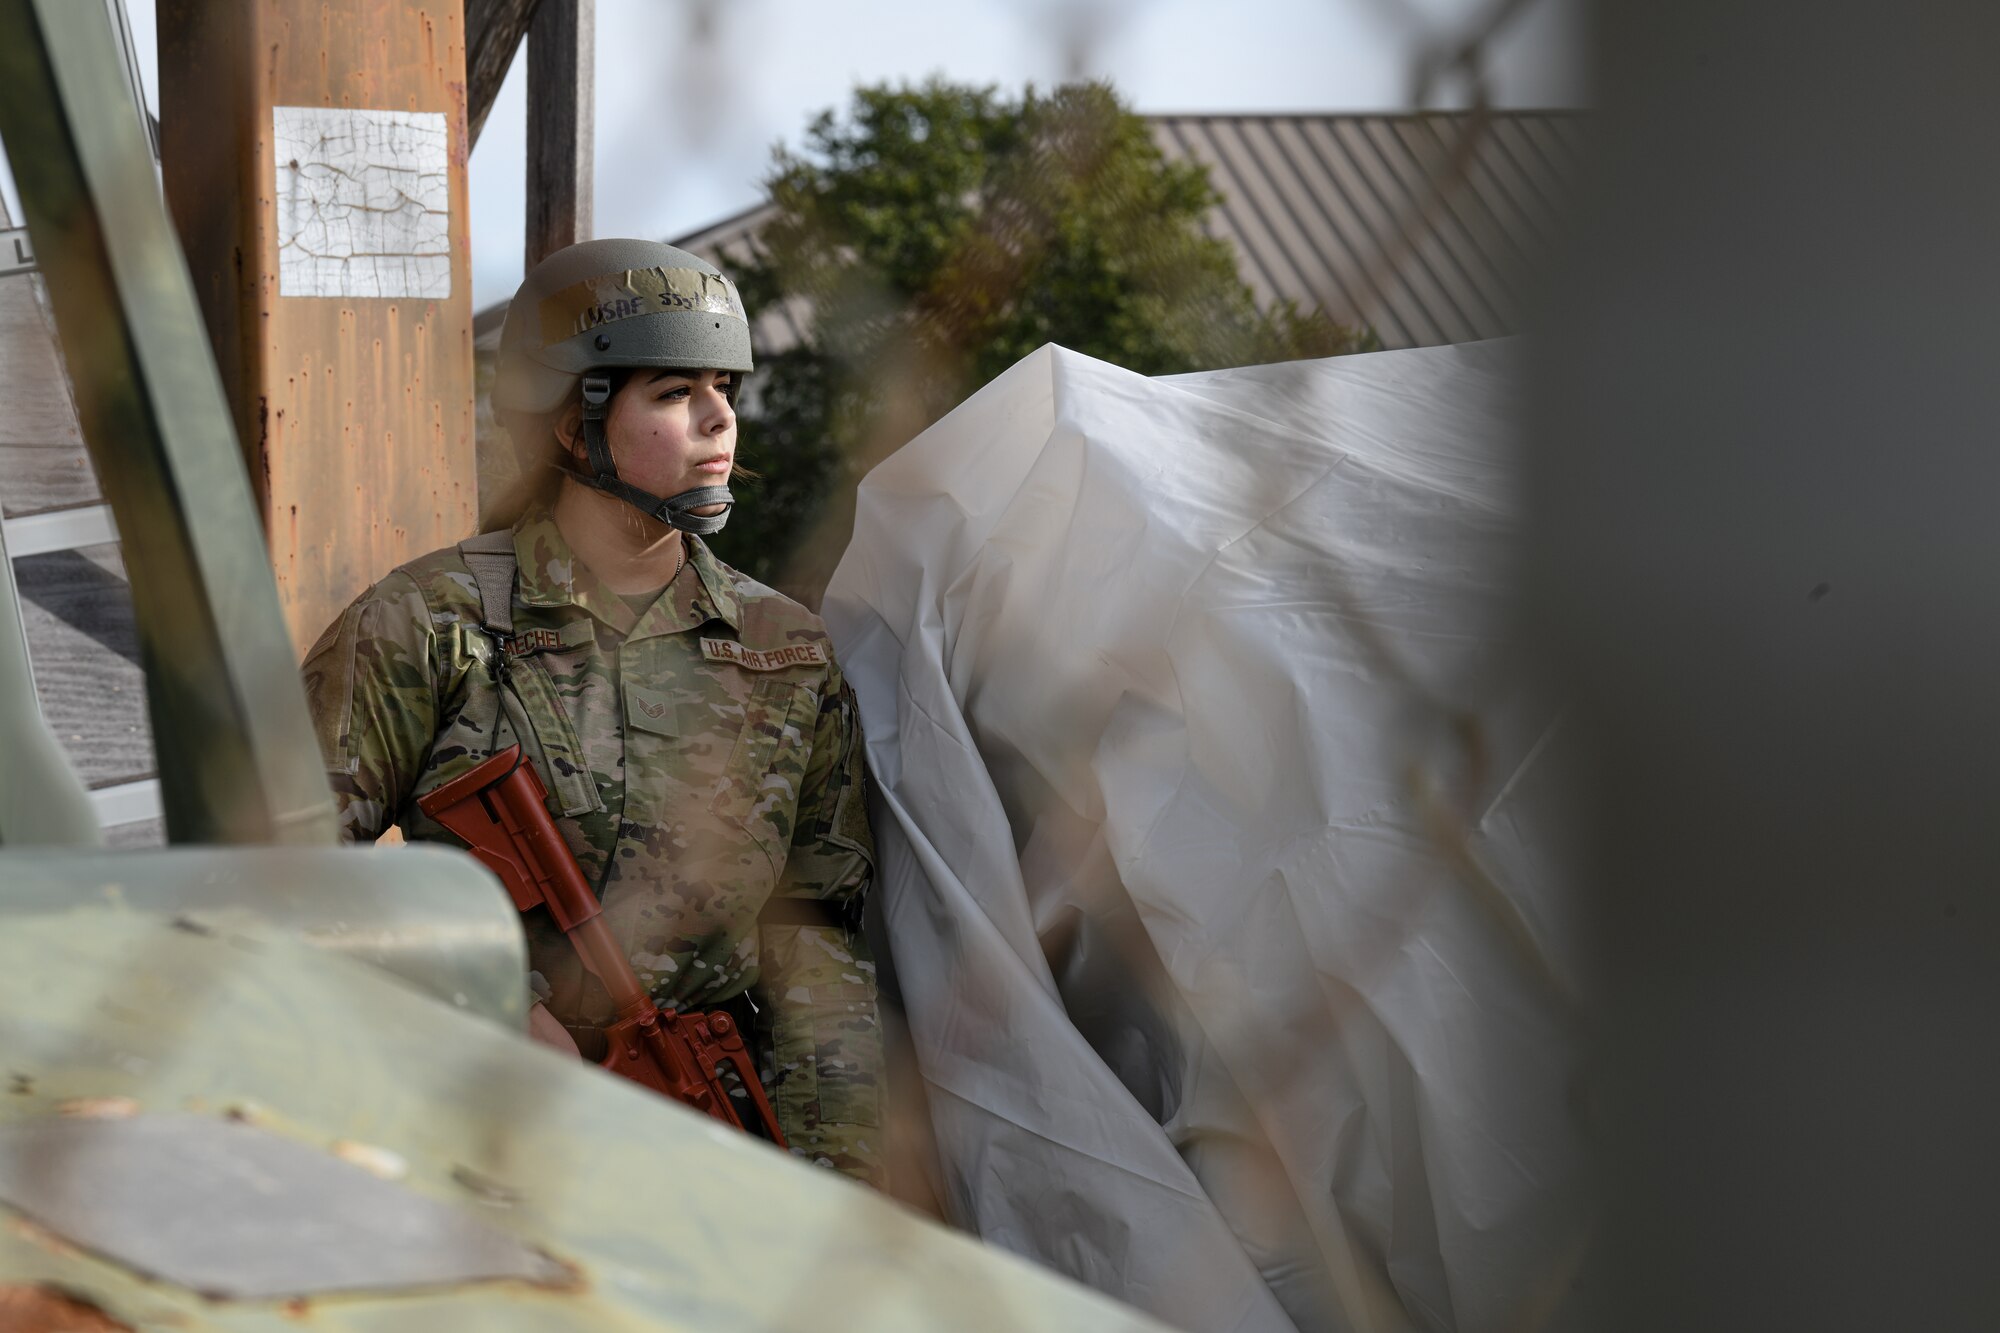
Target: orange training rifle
{"x": 500, "y": 809}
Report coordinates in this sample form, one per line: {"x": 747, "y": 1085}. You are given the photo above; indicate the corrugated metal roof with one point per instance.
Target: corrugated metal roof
{"x": 1424, "y": 227}
{"x": 730, "y": 245}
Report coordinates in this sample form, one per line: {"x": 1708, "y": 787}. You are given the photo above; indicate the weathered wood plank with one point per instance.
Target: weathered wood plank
{"x": 142, "y": 836}
{"x": 84, "y": 648}
{"x": 494, "y": 30}
{"x": 34, "y": 396}
{"x": 561, "y": 121}
{"x": 42, "y": 460}
{"x": 35, "y": 478}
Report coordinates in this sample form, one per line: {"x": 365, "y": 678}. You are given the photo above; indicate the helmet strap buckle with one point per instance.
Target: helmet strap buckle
{"x": 596, "y": 406}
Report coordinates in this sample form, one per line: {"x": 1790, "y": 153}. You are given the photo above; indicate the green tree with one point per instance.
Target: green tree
{"x": 934, "y": 236}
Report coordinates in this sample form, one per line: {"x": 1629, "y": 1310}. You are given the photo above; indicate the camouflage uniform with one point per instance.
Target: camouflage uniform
{"x": 704, "y": 760}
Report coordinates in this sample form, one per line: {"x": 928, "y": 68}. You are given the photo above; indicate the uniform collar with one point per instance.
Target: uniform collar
{"x": 718, "y": 589}
{"x": 551, "y": 576}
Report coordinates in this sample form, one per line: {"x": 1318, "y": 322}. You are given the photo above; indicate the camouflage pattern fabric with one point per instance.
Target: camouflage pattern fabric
{"x": 702, "y": 756}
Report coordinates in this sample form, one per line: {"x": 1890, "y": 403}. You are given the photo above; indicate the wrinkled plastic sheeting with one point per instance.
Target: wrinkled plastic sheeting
{"x": 1212, "y": 861}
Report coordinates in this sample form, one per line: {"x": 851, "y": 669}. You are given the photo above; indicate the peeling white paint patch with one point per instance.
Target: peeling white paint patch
{"x": 364, "y": 203}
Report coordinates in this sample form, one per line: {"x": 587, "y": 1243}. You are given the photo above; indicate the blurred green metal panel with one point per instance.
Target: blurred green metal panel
{"x": 237, "y": 757}
{"x": 431, "y": 916}
{"x": 666, "y": 1220}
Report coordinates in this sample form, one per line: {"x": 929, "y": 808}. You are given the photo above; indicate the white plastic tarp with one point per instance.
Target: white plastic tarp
{"x": 1205, "y": 782}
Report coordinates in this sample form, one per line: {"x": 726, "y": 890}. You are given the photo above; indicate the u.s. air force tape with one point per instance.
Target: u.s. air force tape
{"x": 638, "y": 291}
{"x": 769, "y": 659}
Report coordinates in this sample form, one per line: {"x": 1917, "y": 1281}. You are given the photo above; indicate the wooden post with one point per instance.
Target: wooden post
{"x": 314, "y": 154}
{"x": 493, "y": 33}
{"x": 561, "y": 121}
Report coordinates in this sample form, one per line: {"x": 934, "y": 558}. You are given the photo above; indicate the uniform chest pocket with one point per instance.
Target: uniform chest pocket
{"x": 767, "y": 765}
{"x": 529, "y": 713}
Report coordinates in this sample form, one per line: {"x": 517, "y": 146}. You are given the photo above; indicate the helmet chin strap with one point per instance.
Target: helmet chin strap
{"x": 675, "y": 511}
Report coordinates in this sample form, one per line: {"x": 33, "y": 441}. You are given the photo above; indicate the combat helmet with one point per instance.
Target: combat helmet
{"x": 603, "y": 305}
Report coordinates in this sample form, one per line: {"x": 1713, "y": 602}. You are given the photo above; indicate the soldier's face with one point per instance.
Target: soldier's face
{"x": 672, "y": 431}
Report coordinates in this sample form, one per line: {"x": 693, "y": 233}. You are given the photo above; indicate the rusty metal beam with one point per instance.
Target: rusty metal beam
{"x": 494, "y": 30}
{"x": 344, "y": 328}
{"x": 561, "y": 119}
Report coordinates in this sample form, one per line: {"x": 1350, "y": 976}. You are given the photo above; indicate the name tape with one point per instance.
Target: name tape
{"x": 541, "y": 640}
{"x": 640, "y": 291}
{"x": 770, "y": 659}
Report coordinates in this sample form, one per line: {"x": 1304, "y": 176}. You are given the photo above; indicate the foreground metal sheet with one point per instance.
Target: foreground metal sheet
{"x": 431, "y": 916}
{"x": 238, "y": 1213}
{"x": 664, "y": 1221}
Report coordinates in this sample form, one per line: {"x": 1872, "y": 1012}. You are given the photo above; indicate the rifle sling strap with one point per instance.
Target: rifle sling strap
{"x": 490, "y": 557}
{"x": 523, "y": 694}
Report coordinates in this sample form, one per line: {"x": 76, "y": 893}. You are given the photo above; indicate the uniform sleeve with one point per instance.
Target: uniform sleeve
{"x": 826, "y": 1036}
{"x": 370, "y": 685}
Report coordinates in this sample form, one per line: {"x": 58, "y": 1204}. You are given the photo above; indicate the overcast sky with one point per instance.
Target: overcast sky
{"x": 692, "y": 94}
